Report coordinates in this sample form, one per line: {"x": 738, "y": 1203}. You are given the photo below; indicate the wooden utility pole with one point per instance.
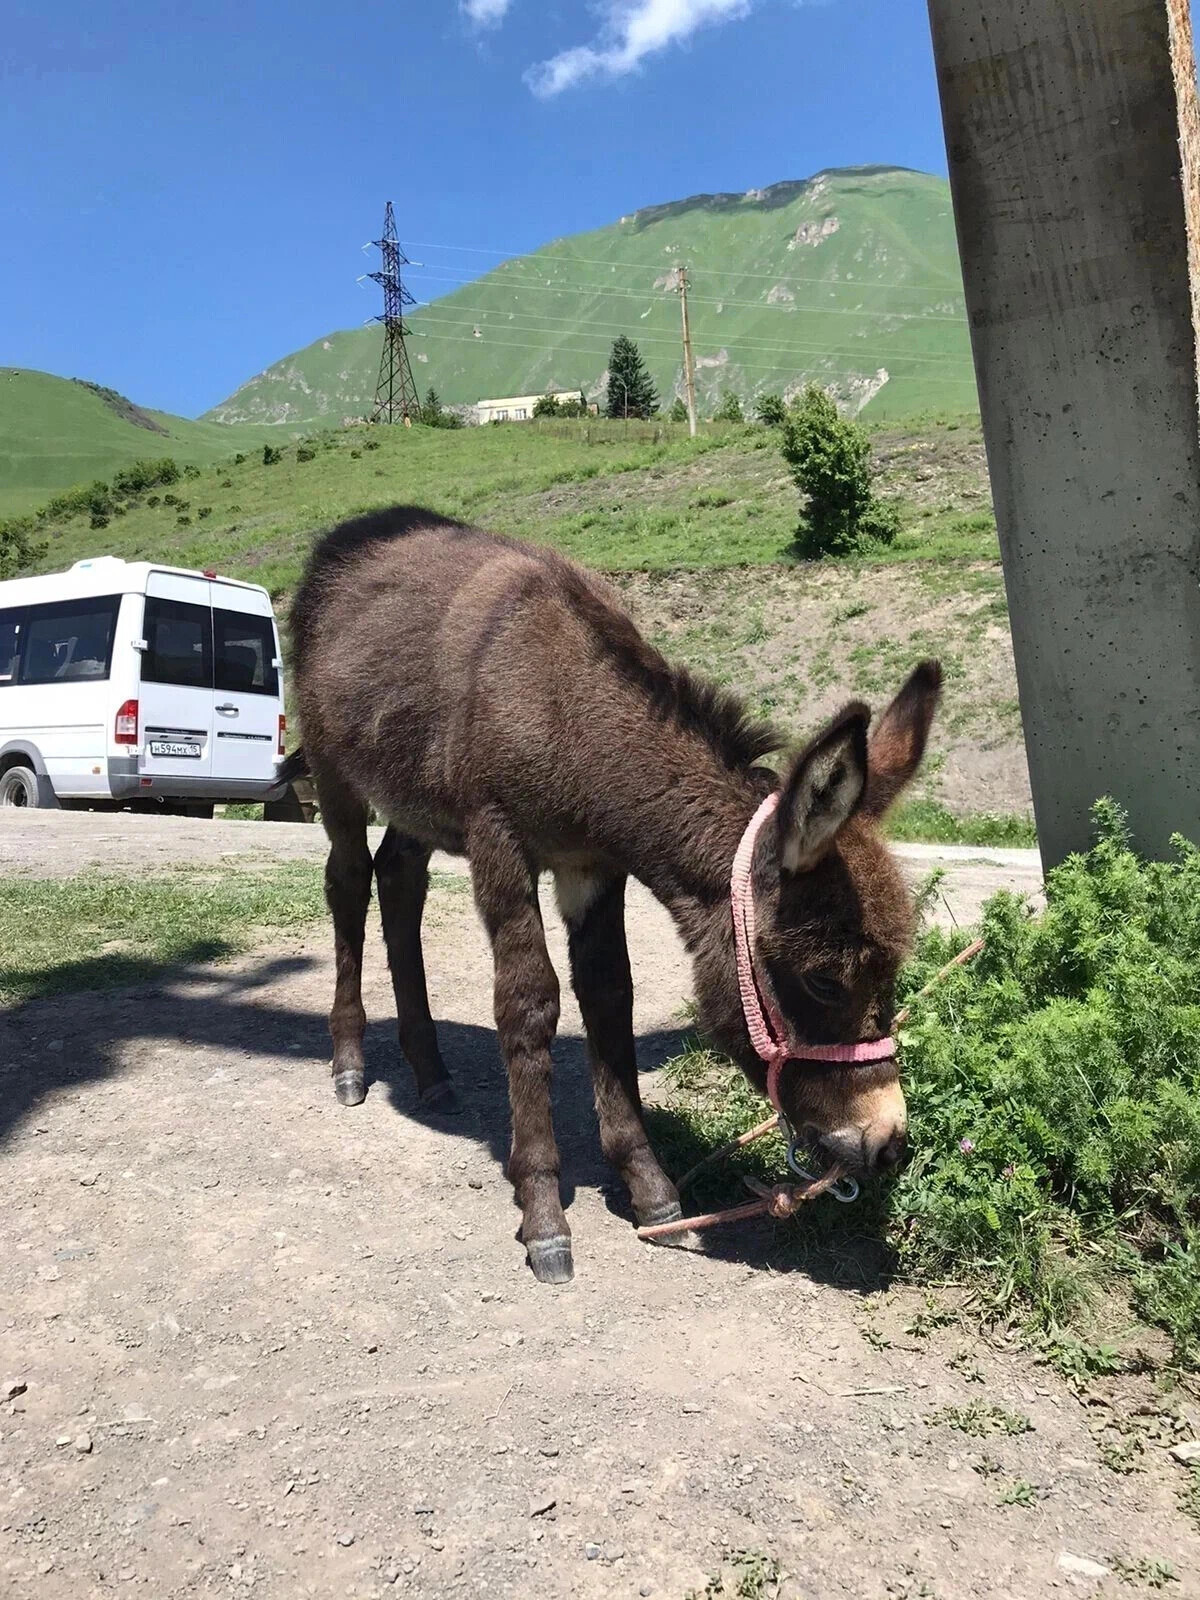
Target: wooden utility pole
{"x": 1072, "y": 139}
{"x": 689, "y": 373}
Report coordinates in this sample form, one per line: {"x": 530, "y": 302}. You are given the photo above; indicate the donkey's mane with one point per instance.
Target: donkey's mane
{"x": 675, "y": 693}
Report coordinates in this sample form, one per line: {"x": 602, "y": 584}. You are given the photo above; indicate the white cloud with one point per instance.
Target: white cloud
{"x": 485, "y": 13}
{"x": 634, "y": 29}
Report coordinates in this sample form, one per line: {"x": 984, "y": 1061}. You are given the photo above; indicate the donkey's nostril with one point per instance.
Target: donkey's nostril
{"x": 892, "y": 1153}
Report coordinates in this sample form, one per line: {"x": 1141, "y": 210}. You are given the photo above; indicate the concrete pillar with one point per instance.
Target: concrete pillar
{"x": 1072, "y": 137}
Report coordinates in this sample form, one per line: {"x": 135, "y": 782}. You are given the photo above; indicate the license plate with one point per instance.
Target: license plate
{"x": 174, "y": 747}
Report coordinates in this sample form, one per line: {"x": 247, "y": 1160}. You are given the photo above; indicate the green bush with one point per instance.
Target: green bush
{"x": 139, "y": 476}
{"x": 1054, "y": 1101}
{"x": 191, "y": 472}
{"x": 829, "y": 456}
{"x": 730, "y": 409}
{"x": 271, "y": 456}
{"x": 771, "y": 410}
{"x": 17, "y": 548}
{"x": 203, "y": 511}
{"x": 678, "y": 411}
{"x": 305, "y": 452}
{"x": 238, "y": 459}
{"x": 546, "y": 406}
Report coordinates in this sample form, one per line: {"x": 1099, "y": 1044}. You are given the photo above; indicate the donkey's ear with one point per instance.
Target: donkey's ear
{"x": 898, "y": 742}
{"x": 822, "y": 789}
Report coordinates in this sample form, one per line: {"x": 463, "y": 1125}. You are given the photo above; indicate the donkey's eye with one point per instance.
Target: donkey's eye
{"x": 822, "y": 988}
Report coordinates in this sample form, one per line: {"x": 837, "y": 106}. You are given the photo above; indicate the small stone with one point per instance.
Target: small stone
{"x": 346, "y": 1538}
{"x": 372, "y": 1348}
{"x": 644, "y": 1589}
{"x": 474, "y": 1183}
{"x": 12, "y": 1387}
{"x": 692, "y": 1411}
{"x": 548, "y": 1450}
{"x": 540, "y": 1504}
{"x": 1081, "y": 1566}
{"x": 592, "y": 1551}
{"x": 89, "y": 1179}
{"x": 83, "y": 1443}
{"x": 63, "y": 1440}
{"x": 1186, "y": 1453}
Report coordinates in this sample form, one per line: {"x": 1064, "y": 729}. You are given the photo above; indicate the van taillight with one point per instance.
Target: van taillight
{"x": 126, "y": 729}
{"x": 282, "y": 731}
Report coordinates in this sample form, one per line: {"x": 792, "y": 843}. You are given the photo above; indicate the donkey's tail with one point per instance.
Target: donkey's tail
{"x": 295, "y": 766}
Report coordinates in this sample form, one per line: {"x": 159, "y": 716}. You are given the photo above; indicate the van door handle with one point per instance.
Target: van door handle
{"x": 228, "y": 710}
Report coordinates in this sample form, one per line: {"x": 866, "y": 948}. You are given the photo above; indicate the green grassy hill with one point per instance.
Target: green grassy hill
{"x": 57, "y": 432}
{"x": 695, "y": 532}
{"x": 850, "y": 278}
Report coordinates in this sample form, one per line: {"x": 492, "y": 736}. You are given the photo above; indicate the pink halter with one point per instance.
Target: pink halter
{"x": 767, "y": 1029}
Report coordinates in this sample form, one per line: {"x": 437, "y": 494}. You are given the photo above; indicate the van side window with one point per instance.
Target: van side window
{"x": 179, "y": 644}
{"x": 244, "y": 653}
{"x": 69, "y": 641}
{"x": 10, "y": 645}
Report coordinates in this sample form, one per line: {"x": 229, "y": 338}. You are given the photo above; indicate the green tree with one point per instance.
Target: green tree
{"x": 830, "y": 460}
{"x": 547, "y": 406}
{"x": 730, "y": 409}
{"x": 678, "y": 411}
{"x": 770, "y": 409}
{"x": 18, "y": 551}
{"x": 631, "y": 391}
{"x": 434, "y": 415}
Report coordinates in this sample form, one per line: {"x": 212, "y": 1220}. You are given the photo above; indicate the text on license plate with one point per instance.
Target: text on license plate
{"x": 174, "y": 747}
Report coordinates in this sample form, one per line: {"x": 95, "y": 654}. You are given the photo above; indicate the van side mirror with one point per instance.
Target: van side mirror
{"x": 141, "y": 645}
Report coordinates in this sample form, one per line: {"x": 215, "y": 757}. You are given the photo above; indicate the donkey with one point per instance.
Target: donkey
{"x": 492, "y": 699}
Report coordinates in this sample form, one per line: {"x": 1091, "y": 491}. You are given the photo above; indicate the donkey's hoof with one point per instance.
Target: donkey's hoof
{"x": 671, "y": 1212}
{"x": 551, "y": 1259}
{"x": 441, "y": 1099}
{"x": 350, "y": 1088}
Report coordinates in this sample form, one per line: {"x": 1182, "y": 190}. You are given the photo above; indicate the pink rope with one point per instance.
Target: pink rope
{"x": 766, "y": 1027}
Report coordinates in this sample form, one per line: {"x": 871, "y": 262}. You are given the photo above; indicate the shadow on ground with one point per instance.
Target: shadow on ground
{"x": 54, "y": 1041}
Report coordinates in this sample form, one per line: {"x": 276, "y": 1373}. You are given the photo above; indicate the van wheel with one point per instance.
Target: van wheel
{"x": 19, "y": 787}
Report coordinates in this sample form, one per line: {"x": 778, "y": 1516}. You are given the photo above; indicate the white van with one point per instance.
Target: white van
{"x": 125, "y": 682}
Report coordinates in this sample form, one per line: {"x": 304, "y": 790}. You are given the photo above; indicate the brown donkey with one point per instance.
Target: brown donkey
{"x": 492, "y": 699}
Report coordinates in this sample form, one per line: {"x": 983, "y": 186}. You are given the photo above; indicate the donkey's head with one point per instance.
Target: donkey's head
{"x": 834, "y": 920}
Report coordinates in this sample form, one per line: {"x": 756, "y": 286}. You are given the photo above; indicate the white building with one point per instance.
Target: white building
{"x": 519, "y": 407}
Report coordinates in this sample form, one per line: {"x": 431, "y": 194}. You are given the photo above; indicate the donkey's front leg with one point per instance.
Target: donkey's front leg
{"x": 526, "y": 999}
{"x": 593, "y": 908}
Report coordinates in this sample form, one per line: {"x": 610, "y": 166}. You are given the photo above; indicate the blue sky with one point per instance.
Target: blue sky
{"x": 188, "y": 182}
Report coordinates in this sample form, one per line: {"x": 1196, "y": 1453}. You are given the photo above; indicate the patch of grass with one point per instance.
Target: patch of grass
{"x": 747, "y": 1575}
{"x": 99, "y": 931}
{"x": 1019, "y": 1493}
{"x": 979, "y": 1420}
{"x": 1154, "y": 1574}
{"x": 1054, "y": 1106}
{"x": 926, "y": 820}
{"x": 1189, "y": 1497}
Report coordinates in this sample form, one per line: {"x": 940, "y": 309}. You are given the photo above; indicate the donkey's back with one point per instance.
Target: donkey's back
{"x": 437, "y": 664}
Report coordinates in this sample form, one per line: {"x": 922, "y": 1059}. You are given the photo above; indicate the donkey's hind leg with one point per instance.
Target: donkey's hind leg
{"x": 347, "y": 893}
{"x": 402, "y": 876}
{"x": 593, "y": 908}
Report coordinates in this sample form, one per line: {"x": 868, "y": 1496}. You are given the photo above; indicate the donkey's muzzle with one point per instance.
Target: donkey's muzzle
{"x": 864, "y": 1151}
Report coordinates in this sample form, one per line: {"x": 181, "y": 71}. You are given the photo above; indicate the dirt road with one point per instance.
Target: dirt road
{"x": 270, "y": 1345}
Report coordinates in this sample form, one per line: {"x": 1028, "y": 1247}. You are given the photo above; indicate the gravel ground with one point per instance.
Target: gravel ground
{"x": 254, "y": 1342}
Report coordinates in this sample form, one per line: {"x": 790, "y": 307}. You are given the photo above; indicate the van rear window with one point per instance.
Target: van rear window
{"x": 244, "y": 653}
{"x": 70, "y": 641}
{"x": 178, "y": 644}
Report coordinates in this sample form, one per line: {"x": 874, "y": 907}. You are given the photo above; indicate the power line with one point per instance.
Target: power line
{"x": 535, "y": 324}
{"x": 657, "y": 266}
{"x": 560, "y": 350}
{"x": 600, "y": 291}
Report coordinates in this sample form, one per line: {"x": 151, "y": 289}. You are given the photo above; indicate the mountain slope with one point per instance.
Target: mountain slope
{"x": 56, "y": 432}
{"x": 850, "y": 277}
